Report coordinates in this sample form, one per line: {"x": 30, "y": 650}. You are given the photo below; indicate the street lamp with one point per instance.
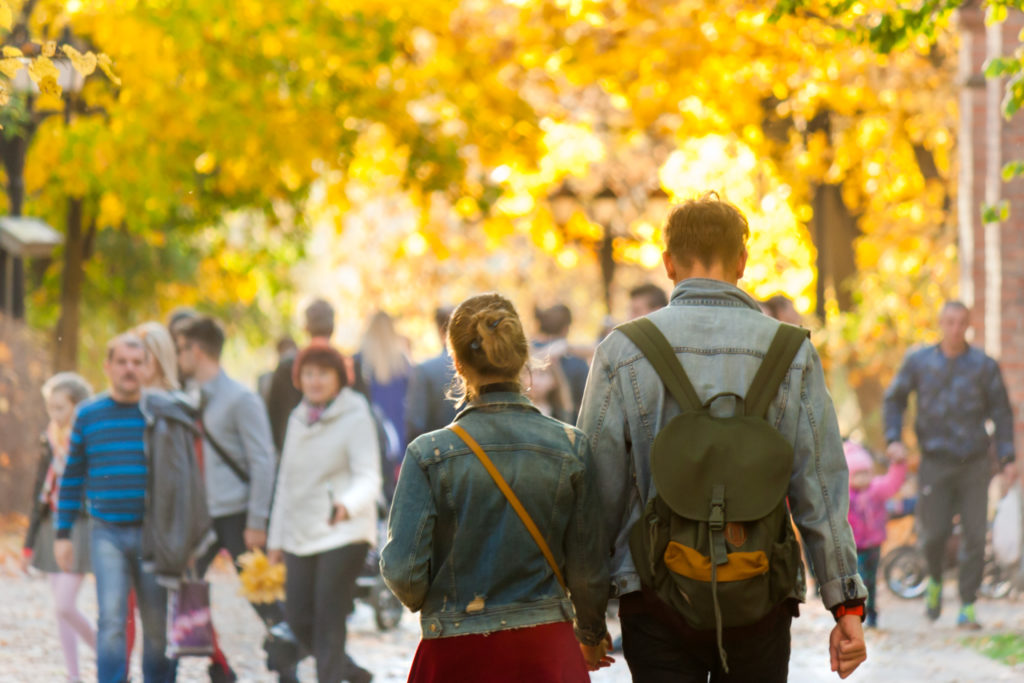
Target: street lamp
{"x": 13, "y": 151}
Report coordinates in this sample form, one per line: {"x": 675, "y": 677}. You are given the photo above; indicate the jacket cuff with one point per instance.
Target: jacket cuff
{"x": 253, "y": 521}
{"x": 842, "y": 590}
{"x": 63, "y": 534}
{"x": 590, "y": 636}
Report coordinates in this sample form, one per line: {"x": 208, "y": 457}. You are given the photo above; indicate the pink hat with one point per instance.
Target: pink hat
{"x": 858, "y": 458}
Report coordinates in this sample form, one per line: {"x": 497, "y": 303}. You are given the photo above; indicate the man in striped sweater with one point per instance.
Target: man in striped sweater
{"x": 106, "y": 475}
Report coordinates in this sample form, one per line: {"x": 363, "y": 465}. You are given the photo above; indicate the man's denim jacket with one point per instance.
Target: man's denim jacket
{"x": 720, "y": 336}
{"x": 456, "y": 549}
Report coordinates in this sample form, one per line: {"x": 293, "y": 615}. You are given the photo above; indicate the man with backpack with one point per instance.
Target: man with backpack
{"x": 712, "y": 429}
{"x": 238, "y": 463}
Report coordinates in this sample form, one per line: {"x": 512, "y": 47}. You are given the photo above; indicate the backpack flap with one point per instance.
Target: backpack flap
{"x": 745, "y": 455}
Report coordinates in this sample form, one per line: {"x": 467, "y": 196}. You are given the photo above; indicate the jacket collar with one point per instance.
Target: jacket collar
{"x": 498, "y": 399}
{"x": 705, "y": 292}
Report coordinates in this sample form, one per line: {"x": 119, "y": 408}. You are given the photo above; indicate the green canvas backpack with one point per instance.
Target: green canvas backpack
{"x": 716, "y": 542}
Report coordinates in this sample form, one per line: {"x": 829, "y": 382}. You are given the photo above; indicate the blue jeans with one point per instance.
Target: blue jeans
{"x": 117, "y": 564}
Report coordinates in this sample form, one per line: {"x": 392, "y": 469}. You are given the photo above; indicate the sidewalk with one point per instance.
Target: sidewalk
{"x": 907, "y": 649}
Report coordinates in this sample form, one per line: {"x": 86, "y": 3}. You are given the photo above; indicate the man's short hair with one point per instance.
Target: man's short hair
{"x": 555, "y": 320}
{"x": 207, "y": 334}
{"x": 954, "y": 304}
{"x": 179, "y": 318}
{"x": 707, "y": 229}
{"x": 286, "y": 344}
{"x": 442, "y": 315}
{"x": 655, "y": 295}
{"x": 126, "y": 339}
{"x": 320, "y": 319}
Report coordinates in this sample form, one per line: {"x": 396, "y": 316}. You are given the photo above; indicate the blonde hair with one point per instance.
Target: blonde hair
{"x": 158, "y": 344}
{"x": 487, "y": 339}
{"x": 383, "y": 351}
{"x": 707, "y": 229}
{"x": 74, "y": 386}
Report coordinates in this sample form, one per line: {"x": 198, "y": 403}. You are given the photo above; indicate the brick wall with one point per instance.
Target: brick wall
{"x": 992, "y": 255}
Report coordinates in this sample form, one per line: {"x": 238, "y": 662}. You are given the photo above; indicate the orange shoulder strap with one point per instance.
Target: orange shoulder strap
{"x": 512, "y": 499}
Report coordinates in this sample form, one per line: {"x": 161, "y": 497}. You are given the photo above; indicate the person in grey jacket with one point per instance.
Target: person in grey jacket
{"x": 238, "y": 464}
{"x": 720, "y": 337}
{"x": 177, "y": 528}
{"x": 959, "y": 388}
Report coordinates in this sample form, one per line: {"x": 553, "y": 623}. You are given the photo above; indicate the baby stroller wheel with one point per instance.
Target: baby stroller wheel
{"x": 906, "y": 572}
{"x": 386, "y": 607}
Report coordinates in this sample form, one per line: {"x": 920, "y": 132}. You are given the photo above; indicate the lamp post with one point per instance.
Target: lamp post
{"x": 13, "y": 151}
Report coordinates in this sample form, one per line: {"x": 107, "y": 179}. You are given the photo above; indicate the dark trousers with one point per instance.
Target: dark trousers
{"x": 319, "y": 590}
{"x": 949, "y": 486}
{"x": 230, "y": 531}
{"x": 659, "y": 652}
{"x": 867, "y": 567}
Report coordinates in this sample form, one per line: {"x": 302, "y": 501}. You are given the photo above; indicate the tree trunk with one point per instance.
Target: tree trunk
{"x": 72, "y": 281}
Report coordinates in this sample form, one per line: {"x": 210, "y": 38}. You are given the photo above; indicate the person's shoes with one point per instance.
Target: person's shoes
{"x": 933, "y": 599}
{"x": 288, "y": 676}
{"x": 283, "y": 652}
{"x": 967, "y": 619}
{"x": 871, "y": 621}
{"x": 359, "y": 675}
{"x": 220, "y": 674}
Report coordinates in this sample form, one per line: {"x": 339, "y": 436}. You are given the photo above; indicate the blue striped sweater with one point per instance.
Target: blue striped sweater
{"x": 106, "y": 465}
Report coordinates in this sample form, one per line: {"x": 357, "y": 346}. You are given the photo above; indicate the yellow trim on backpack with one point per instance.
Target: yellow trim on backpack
{"x": 692, "y": 564}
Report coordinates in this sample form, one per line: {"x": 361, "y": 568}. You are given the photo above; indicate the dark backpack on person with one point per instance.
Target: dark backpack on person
{"x": 716, "y": 542}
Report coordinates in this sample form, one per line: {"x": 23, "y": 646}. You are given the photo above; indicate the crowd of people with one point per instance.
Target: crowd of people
{"x": 703, "y": 432}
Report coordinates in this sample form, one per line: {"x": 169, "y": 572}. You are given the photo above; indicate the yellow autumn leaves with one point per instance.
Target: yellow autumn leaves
{"x": 262, "y": 582}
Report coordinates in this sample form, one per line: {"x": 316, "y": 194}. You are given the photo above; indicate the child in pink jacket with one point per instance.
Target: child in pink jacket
{"x": 868, "y": 516}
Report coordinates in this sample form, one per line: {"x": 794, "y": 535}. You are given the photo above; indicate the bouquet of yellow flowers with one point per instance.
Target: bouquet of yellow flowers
{"x": 262, "y": 582}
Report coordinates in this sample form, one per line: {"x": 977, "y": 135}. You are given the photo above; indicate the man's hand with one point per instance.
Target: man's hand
{"x": 596, "y": 656}
{"x": 896, "y": 452}
{"x": 846, "y": 645}
{"x": 64, "y": 553}
{"x": 255, "y": 538}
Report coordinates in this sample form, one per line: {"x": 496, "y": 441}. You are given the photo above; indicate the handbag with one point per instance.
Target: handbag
{"x": 189, "y": 626}
{"x": 512, "y": 499}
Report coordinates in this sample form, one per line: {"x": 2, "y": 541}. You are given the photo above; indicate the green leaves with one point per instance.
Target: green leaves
{"x": 995, "y": 213}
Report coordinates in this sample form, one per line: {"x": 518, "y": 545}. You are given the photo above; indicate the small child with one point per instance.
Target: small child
{"x": 868, "y": 516}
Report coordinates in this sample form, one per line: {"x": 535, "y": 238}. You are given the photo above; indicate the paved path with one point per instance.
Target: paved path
{"x": 907, "y": 649}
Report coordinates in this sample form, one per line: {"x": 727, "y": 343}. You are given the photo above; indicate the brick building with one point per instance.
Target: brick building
{"x": 992, "y": 254}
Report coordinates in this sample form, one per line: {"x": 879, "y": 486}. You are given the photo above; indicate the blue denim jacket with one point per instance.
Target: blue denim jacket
{"x": 955, "y": 396}
{"x": 720, "y": 336}
{"x": 457, "y": 551}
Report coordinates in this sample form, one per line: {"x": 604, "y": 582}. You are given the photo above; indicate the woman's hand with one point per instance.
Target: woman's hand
{"x": 275, "y": 556}
{"x": 596, "y": 656}
{"x": 340, "y": 513}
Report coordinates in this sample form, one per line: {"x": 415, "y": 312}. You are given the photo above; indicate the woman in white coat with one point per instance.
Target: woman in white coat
{"x": 325, "y": 508}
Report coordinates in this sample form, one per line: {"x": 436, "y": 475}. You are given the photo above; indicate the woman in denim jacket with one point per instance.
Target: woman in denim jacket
{"x": 491, "y": 606}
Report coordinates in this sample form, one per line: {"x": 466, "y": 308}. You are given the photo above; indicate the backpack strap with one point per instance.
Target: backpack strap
{"x": 662, "y": 357}
{"x": 765, "y": 385}
{"x": 513, "y": 500}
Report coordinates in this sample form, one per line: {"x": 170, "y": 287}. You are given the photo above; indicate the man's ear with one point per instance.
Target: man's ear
{"x": 670, "y": 266}
{"x": 741, "y": 265}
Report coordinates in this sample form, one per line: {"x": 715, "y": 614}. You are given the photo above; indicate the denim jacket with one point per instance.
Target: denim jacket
{"x": 458, "y": 553}
{"x": 720, "y": 336}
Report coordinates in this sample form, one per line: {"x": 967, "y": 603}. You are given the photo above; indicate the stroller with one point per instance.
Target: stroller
{"x": 905, "y": 569}
{"x": 371, "y": 589}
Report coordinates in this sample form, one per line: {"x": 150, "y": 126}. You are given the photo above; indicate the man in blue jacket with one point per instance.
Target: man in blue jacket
{"x": 959, "y": 389}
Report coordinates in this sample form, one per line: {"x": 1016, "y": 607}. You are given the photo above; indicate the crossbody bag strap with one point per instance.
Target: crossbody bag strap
{"x": 512, "y": 499}
{"x": 222, "y": 454}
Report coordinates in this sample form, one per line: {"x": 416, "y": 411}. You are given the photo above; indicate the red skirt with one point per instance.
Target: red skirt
{"x": 548, "y": 653}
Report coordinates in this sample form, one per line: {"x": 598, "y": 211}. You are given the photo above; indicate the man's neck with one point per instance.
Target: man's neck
{"x": 952, "y": 349}
{"x": 120, "y": 397}
{"x": 699, "y": 271}
{"x": 207, "y": 371}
